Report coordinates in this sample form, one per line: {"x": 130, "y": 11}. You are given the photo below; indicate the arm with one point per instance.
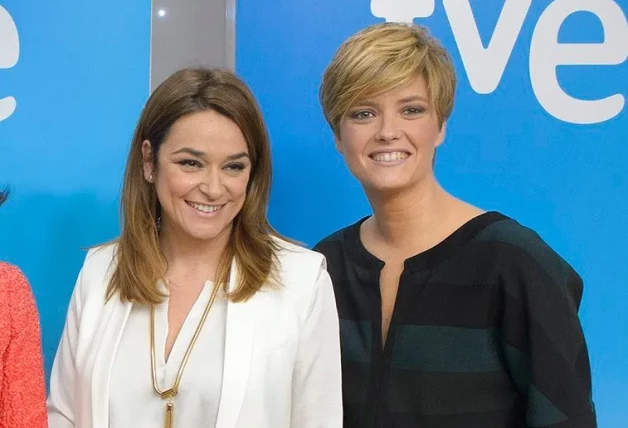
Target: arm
{"x": 62, "y": 379}
{"x": 23, "y": 389}
{"x": 317, "y": 390}
{"x": 545, "y": 348}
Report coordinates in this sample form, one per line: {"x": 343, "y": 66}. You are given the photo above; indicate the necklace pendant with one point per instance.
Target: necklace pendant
{"x": 169, "y": 414}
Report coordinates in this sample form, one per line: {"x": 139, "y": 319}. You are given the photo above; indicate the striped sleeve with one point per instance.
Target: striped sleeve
{"x": 543, "y": 341}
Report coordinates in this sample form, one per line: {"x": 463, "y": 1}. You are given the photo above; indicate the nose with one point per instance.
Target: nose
{"x": 212, "y": 184}
{"x": 388, "y": 129}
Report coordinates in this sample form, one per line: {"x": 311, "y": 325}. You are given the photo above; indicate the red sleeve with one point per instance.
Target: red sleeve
{"x": 22, "y": 393}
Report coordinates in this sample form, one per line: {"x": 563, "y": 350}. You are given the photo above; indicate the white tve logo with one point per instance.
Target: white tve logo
{"x": 485, "y": 65}
{"x": 9, "y": 54}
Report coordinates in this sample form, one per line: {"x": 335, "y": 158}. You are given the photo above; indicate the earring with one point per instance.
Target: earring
{"x": 150, "y": 177}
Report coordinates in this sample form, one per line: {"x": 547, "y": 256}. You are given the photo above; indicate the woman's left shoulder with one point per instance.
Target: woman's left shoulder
{"x": 301, "y": 271}
{"x": 522, "y": 252}
{"x": 516, "y": 240}
{"x": 12, "y": 279}
{"x": 294, "y": 258}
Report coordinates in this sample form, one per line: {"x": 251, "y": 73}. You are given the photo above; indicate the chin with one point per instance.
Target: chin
{"x": 385, "y": 186}
{"x": 205, "y": 235}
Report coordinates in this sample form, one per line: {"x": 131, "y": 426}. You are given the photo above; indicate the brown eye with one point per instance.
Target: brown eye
{"x": 190, "y": 163}
{"x": 236, "y": 167}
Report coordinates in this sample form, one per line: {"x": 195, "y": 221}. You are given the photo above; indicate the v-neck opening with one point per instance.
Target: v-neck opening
{"x": 185, "y": 334}
{"x": 199, "y": 393}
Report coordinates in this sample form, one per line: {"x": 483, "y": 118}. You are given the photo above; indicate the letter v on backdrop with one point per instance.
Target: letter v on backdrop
{"x": 485, "y": 66}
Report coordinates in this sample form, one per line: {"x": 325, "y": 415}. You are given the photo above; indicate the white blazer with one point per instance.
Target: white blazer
{"x": 282, "y": 350}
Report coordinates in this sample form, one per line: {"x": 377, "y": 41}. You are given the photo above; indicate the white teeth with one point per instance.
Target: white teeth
{"x": 389, "y": 157}
{"x": 205, "y": 208}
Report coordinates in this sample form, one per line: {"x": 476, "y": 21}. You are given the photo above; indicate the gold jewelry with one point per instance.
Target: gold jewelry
{"x": 172, "y": 392}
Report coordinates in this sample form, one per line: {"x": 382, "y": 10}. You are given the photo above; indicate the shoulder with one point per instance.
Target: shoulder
{"x": 509, "y": 232}
{"x": 301, "y": 272}
{"x": 336, "y": 245}
{"x": 97, "y": 268}
{"x": 522, "y": 251}
{"x": 294, "y": 259}
{"x": 13, "y": 281}
{"x": 99, "y": 259}
{"x": 10, "y": 275}
{"x": 335, "y": 239}
{"x": 303, "y": 277}
{"x": 521, "y": 244}
{"x": 17, "y": 297}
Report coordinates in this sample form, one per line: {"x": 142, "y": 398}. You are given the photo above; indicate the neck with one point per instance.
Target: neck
{"x": 415, "y": 219}
{"x": 394, "y": 214}
{"x": 189, "y": 257}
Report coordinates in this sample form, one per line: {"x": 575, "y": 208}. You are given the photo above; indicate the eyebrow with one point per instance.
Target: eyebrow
{"x": 239, "y": 156}
{"x": 190, "y": 151}
{"x": 411, "y": 99}
{"x": 408, "y": 99}
{"x": 200, "y": 154}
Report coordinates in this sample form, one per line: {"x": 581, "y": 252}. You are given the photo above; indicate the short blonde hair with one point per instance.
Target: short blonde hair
{"x": 384, "y": 57}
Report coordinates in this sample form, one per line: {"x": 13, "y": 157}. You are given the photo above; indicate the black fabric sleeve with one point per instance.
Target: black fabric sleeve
{"x": 543, "y": 341}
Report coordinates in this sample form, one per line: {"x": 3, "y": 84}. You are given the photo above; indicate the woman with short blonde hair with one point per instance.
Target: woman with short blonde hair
{"x": 451, "y": 316}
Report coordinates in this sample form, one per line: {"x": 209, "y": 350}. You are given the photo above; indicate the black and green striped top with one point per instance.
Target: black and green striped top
{"x": 484, "y": 334}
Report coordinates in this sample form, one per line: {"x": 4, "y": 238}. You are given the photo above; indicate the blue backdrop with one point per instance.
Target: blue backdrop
{"x": 79, "y": 84}
{"x": 522, "y": 149}
{"x": 519, "y": 140}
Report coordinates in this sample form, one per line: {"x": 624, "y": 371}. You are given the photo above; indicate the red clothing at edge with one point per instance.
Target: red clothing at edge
{"x": 22, "y": 385}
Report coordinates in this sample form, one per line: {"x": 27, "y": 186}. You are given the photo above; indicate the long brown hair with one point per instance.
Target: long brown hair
{"x": 252, "y": 244}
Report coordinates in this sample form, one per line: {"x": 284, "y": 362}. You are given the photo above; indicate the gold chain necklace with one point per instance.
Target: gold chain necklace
{"x": 172, "y": 392}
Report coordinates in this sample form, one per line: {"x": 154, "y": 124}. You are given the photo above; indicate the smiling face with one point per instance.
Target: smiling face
{"x": 389, "y": 141}
{"x": 200, "y": 175}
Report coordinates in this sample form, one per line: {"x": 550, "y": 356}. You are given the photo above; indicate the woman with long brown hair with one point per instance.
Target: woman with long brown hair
{"x": 22, "y": 388}
{"x": 200, "y": 314}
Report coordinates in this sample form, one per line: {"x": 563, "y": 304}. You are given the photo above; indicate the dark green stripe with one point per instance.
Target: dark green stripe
{"x": 446, "y": 349}
{"x": 518, "y": 366}
{"x": 356, "y": 339}
{"x": 541, "y": 411}
{"x": 511, "y": 232}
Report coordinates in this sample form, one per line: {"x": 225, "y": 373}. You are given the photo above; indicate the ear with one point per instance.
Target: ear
{"x": 338, "y": 143}
{"x": 148, "y": 161}
{"x": 441, "y": 135}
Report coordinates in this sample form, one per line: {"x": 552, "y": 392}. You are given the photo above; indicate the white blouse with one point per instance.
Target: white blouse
{"x": 132, "y": 400}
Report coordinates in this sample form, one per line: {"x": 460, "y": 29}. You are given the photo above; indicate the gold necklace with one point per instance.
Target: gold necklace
{"x": 172, "y": 392}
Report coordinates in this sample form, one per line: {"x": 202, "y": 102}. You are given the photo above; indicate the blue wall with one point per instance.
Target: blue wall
{"x": 79, "y": 83}
{"x": 83, "y": 75}
{"x": 504, "y": 150}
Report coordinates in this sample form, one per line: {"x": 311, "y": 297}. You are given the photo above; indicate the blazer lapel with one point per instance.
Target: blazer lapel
{"x": 239, "y": 337}
{"x": 105, "y": 354}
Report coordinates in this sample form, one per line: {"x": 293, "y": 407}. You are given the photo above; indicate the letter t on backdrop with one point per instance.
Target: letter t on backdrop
{"x": 402, "y": 10}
